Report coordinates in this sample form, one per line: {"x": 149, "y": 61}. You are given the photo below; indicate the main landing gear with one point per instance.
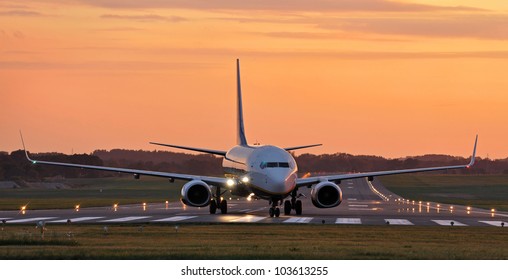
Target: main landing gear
{"x": 293, "y": 204}
{"x": 217, "y": 202}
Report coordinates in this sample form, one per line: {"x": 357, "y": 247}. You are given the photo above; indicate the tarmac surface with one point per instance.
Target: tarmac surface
{"x": 365, "y": 203}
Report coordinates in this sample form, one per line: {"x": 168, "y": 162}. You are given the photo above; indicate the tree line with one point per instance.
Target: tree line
{"x": 15, "y": 166}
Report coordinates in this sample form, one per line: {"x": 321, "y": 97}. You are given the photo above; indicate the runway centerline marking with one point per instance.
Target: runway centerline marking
{"x": 175, "y": 219}
{"x": 493, "y": 223}
{"x": 349, "y": 221}
{"x": 448, "y": 223}
{"x": 31, "y": 220}
{"x": 80, "y": 219}
{"x": 248, "y": 219}
{"x": 301, "y": 220}
{"x": 126, "y": 219}
{"x": 403, "y": 222}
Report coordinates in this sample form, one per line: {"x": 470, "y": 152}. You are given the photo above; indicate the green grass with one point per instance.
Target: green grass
{"x": 87, "y": 193}
{"x": 260, "y": 241}
{"x": 485, "y": 191}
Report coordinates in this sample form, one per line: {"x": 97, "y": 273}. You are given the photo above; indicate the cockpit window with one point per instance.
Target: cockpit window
{"x": 264, "y": 165}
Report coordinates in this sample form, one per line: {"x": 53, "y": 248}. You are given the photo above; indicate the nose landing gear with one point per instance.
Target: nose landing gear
{"x": 274, "y": 209}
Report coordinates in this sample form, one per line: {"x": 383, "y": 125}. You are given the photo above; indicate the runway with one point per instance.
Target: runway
{"x": 364, "y": 203}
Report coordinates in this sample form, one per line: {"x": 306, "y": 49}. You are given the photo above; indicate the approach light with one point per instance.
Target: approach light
{"x": 76, "y": 208}
{"x": 245, "y": 179}
{"x": 492, "y": 210}
{"x": 469, "y": 208}
{"x": 23, "y": 208}
{"x": 230, "y": 182}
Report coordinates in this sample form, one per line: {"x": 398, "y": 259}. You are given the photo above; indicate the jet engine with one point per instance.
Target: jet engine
{"x": 326, "y": 195}
{"x": 196, "y": 193}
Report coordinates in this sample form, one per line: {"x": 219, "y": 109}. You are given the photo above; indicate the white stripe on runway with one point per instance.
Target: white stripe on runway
{"x": 349, "y": 221}
{"x": 126, "y": 219}
{"x": 5, "y": 218}
{"x": 175, "y": 219}
{"x": 301, "y": 220}
{"x": 30, "y": 220}
{"x": 363, "y": 209}
{"x": 358, "y": 205}
{"x": 350, "y": 187}
{"x": 494, "y": 223}
{"x": 73, "y": 220}
{"x": 448, "y": 223}
{"x": 352, "y": 199}
{"x": 399, "y": 222}
{"x": 248, "y": 219}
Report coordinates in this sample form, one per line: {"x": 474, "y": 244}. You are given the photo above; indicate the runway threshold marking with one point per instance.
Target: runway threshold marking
{"x": 349, "y": 221}
{"x": 403, "y": 222}
{"x": 248, "y": 219}
{"x": 80, "y": 219}
{"x": 175, "y": 219}
{"x": 494, "y": 223}
{"x": 301, "y": 220}
{"x": 126, "y": 219}
{"x": 448, "y": 223}
{"x": 31, "y": 220}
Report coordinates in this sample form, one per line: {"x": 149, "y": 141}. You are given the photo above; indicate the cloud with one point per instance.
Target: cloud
{"x": 461, "y": 26}
{"x": 276, "y": 5}
{"x": 148, "y": 17}
{"x": 21, "y": 13}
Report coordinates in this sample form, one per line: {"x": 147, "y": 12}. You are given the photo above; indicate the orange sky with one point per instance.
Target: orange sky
{"x": 390, "y": 78}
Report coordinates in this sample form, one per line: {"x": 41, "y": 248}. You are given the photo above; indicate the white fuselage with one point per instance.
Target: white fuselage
{"x": 270, "y": 171}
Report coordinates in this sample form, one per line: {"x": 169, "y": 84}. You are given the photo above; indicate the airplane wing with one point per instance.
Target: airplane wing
{"x": 314, "y": 180}
{"x": 135, "y": 172}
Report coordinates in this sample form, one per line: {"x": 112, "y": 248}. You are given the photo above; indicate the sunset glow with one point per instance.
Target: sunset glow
{"x": 388, "y": 78}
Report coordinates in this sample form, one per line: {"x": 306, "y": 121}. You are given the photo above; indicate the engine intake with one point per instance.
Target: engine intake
{"x": 196, "y": 193}
{"x": 326, "y": 195}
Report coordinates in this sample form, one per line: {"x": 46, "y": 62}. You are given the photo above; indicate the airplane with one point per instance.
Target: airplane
{"x": 258, "y": 171}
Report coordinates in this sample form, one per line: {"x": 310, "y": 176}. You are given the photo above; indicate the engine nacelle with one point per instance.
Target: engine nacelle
{"x": 196, "y": 193}
{"x": 326, "y": 195}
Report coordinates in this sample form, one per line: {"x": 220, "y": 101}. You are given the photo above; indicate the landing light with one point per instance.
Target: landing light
{"x": 245, "y": 179}
{"x": 230, "y": 182}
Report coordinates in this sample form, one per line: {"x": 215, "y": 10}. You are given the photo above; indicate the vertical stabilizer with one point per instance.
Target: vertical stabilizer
{"x": 241, "y": 140}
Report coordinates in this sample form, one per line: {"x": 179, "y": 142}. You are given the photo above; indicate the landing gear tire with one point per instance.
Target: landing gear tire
{"x": 287, "y": 207}
{"x": 224, "y": 207}
{"x": 298, "y": 207}
{"x": 213, "y": 207}
{"x": 277, "y": 212}
{"x": 271, "y": 212}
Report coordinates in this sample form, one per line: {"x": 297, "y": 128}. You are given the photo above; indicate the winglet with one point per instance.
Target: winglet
{"x": 471, "y": 163}
{"x": 24, "y": 149}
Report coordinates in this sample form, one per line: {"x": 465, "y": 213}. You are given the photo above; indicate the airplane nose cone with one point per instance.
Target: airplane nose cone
{"x": 282, "y": 183}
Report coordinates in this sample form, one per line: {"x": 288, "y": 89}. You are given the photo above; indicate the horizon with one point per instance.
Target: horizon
{"x": 370, "y": 77}
{"x": 297, "y": 154}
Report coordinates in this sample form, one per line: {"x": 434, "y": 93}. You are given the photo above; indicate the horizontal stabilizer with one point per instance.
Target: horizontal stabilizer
{"x": 301, "y": 147}
{"x": 208, "y": 151}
